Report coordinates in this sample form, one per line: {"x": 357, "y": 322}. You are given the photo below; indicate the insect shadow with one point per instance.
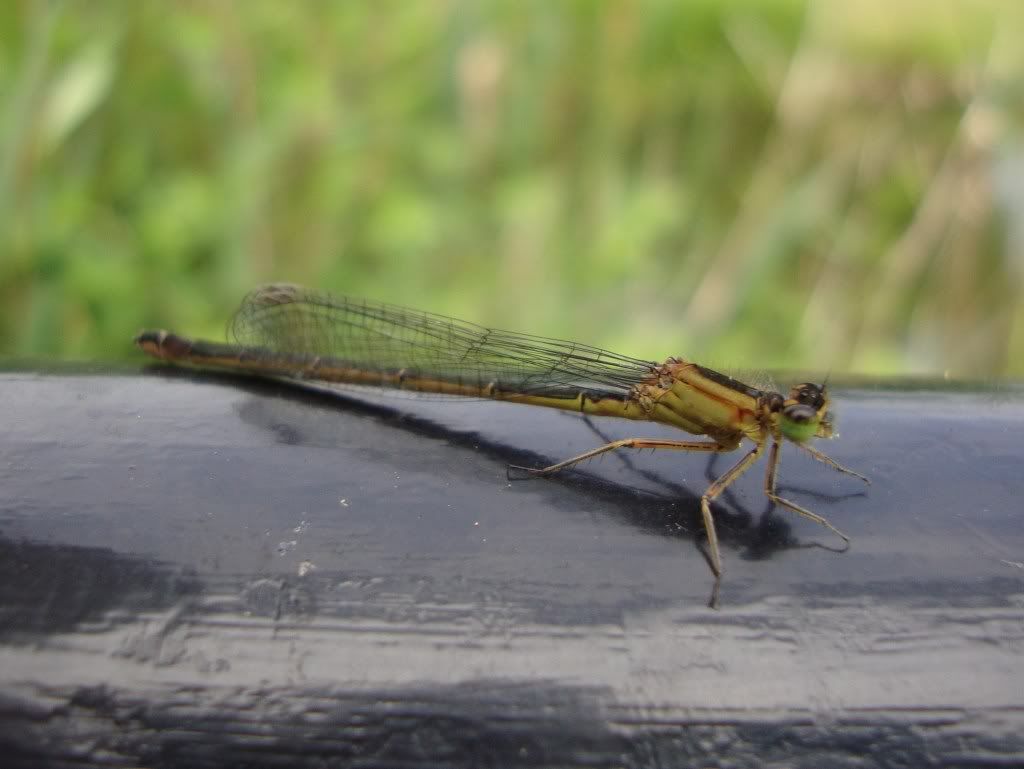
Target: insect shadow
{"x": 672, "y": 512}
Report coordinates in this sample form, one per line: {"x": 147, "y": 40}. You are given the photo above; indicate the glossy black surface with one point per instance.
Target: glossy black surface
{"x": 199, "y": 570}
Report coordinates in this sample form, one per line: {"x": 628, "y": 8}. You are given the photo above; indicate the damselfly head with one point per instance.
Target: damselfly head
{"x": 805, "y": 413}
{"x": 809, "y": 394}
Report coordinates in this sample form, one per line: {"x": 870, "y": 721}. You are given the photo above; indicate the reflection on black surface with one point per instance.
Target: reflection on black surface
{"x": 675, "y": 515}
{"x": 483, "y": 723}
{"x": 577, "y": 643}
{"x": 48, "y": 589}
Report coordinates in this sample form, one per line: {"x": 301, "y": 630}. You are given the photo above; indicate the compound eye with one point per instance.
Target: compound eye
{"x": 809, "y": 395}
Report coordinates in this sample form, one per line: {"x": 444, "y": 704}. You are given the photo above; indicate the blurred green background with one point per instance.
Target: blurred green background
{"x": 766, "y": 183}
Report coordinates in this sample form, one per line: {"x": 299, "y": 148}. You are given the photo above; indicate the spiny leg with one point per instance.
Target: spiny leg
{"x": 824, "y": 458}
{"x": 589, "y": 422}
{"x": 769, "y": 489}
{"x": 773, "y": 466}
{"x": 716, "y": 488}
{"x": 671, "y": 486}
{"x": 625, "y": 443}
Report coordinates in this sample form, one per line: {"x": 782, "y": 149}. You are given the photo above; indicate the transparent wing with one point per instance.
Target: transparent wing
{"x": 291, "y": 320}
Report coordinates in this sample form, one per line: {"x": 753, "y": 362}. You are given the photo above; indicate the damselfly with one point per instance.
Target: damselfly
{"x": 285, "y": 330}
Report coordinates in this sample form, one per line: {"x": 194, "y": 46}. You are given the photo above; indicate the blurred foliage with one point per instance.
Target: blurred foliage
{"x": 771, "y": 182}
